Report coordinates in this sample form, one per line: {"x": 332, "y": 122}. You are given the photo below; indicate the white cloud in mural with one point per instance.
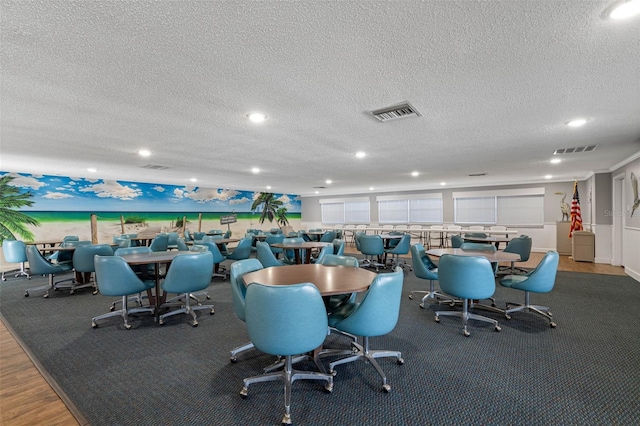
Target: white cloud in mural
{"x": 56, "y": 195}
{"x": 159, "y": 188}
{"x": 25, "y": 182}
{"x": 112, "y": 189}
{"x": 239, "y": 201}
{"x": 178, "y": 193}
{"x": 204, "y": 195}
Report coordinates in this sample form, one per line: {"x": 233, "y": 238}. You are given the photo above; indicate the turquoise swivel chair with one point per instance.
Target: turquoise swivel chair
{"x": 372, "y": 247}
{"x": 540, "y": 280}
{"x": 466, "y": 278}
{"x": 286, "y": 321}
{"x": 401, "y": 248}
{"x": 38, "y": 265}
{"x": 116, "y": 279}
{"x": 266, "y": 256}
{"x": 522, "y": 246}
{"x": 376, "y": 315}
{"x": 425, "y": 269}
{"x": 242, "y": 250}
{"x": 338, "y": 246}
{"x": 239, "y": 291}
{"x": 83, "y": 263}
{"x": 189, "y": 272}
{"x": 15, "y": 252}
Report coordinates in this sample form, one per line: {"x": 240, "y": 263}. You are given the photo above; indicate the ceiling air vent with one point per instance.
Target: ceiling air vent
{"x": 476, "y": 174}
{"x": 319, "y": 187}
{"x": 575, "y": 150}
{"x": 155, "y": 167}
{"x": 404, "y": 109}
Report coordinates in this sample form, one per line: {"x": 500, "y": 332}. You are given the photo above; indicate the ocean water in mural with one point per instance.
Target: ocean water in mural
{"x": 64, "y": 205}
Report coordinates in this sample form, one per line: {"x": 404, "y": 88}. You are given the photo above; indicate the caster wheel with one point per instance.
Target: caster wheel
{"x": 94, "y": 292}
{"x": 333, "y": 372}
{"x": 195, "y": 324}
{"x": 127, "y": 326}
{"x": 422, "y": 305}
{"x": 386, "y": 388}
{"x": 26, "y": 294}
{"x": 507, "y": 316}
{"x": 46, "y": 296}
{"x": 244, "y": 393}
{"x": 161, "y": 322}
{"x": 328, "y": 388}
{"x": 400, "y": 361}
{"x": 212, "y": 312}
{"x": 208, "y": 297}
{"x": 552, "y": 324}
{"x": 437, "y": 319}
{"x": 4, "y": 279}
{"x": 233, "y": 360}
{"x": 498, "y": 328}
{"x": 549, "y": 313}
{"x": 410, "y": 296}
{"x": 94, "y": 325}
{"x": 113, "y": 308}
{"x": 466, "y": 333}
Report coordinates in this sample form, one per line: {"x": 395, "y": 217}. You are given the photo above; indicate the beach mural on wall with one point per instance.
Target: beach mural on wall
{"x": 64, "y": 205}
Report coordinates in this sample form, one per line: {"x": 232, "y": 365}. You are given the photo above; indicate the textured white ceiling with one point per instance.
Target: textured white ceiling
{"x": 87, "y": 84}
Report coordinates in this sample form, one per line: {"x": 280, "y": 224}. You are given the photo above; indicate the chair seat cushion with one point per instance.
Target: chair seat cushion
{"x": 341, "y": 313}
{"x": 513, "y": 280}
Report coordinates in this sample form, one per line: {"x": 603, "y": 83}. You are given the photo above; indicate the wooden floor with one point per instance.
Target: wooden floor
{"x": 26, "y": 398}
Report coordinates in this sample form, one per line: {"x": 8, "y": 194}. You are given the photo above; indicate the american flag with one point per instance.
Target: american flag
{"x": 576, "y": 216}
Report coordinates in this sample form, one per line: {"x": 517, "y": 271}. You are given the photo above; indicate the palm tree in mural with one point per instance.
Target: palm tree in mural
{"x": 13, "y": 222}
{"x": 270, "y": 206}
{"x": 281, "y": 216}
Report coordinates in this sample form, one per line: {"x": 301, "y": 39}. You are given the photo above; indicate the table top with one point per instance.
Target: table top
{"x": 304, "y": 245}
{"x": 492, "y": 256}
{"x": 153, "y": 257}
{"x": 487, "y": 239}
{"x": 50, "y": 242}
{"x": 330, "y": 280}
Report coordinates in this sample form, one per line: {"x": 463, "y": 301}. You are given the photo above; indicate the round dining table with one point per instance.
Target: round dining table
{"x": 329, "y": 280}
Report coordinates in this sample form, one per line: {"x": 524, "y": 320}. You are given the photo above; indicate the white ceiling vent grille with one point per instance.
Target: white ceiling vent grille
{"x": 575, "y": 150}
{"x": 476, "y": 174}
{"x": 402, "y": 110}
{"x": 154, "y": 167}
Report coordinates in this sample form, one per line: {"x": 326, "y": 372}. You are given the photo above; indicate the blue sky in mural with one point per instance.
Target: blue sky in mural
{"x": 58, "y": 193}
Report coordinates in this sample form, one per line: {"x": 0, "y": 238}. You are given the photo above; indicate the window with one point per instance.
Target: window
{"x": 506, "y": 207}
{"x": 419, "y": 208}
{"x": 343, "y": 211}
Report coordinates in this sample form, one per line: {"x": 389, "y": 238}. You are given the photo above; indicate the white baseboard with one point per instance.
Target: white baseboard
{"x": 633, "y": 274}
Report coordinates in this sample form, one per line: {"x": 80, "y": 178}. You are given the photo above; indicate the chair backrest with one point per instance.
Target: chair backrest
{"x": 265, "y": 255}
{"x": 238, "y": 288}
{"x": 478, "y": 246}
{"x": 172, "y": 239}
{"x": 38, "y": 265}
{"x": 181, "y": 245}
{"x": 371, "y": 245}
{"x": 115, "y": 277}
{"x": 122, "y": 242}
{"x": 543, "y": 277}
{"x": 14, "y": 251}
{"x": 275, "y": 239}
{"x": 338, "y": 260}
{"x": 466, "y": 277}
{"x": 215, "y": 251}
{"x": 520, "y": 245}
{"x": 70, "y": 238}
{"x": 242, "y": 250}
{"x": 325, "y": 251}
{"x": 160, "y": 243}
{"x": 131, "y": 250}
{"x": 475, "y": 235}
{"x": 421, "y": 264}
{"x": 189, "y": 272}
{"x": 200, "y": 247}
{"x": 197, "y": 236}
{"x": 289, "y": 253}
{"x": 403, "y": 245}
{"x": 377, "y": 313}
{"x": 65, "y": 256}
{"x": 338, "y": 246}
{"x": 287, "y": 319}
{"x": 187, "y": 235}
{"x": 356, "y": 238}
{"x": 456, "y": 241}
{"x": 83, "y": 256}
{"x": 328, "y": 237}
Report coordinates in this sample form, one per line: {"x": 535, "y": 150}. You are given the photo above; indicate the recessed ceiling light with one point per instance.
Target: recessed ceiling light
{"x": 414, "y": 174}
{"x": 443, "y": 183}
{"x": 360, "y": 154}
{"x": 255, "y": 170}
{"x": 257, "y": 117}
{"x": 548, "y": 177}
{"x": 555, "y": 160}
{"x": 194, "y": 180}
{"x": 317, "y": 192}
{"x": 144, "y": 152}
{"x": 623, "y": 9}
{"x": 92, "y": 170}
{"x": 268, "y": 186}
{"x": 371, "y": 188}
{"x": 328, "y": 181}
{"x": 577, "y": 122}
